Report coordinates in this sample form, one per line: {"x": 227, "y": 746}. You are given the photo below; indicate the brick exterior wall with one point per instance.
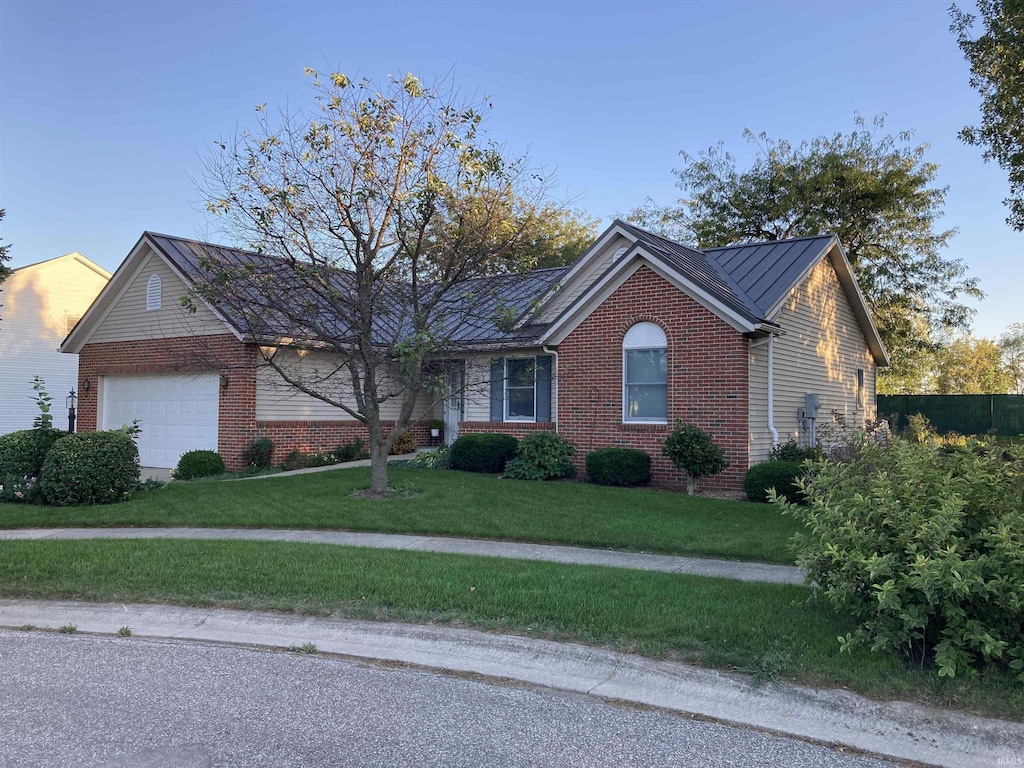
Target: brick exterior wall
{"x": 319, "y": 436}
{"x": 707, "y": 379}
{"x": 518, "y": 429}
{"x": 237, "y": 426}
{"x": 222, "y": 354}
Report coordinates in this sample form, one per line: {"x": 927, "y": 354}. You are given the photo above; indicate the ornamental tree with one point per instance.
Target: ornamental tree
{"x": 373, "y": 221}
{"x": 692, "y": 450}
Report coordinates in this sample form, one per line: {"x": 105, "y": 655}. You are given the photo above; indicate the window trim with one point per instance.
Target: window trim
{"x": 154, "y": 281}
{"x": 505, "y": 398}
{"x": 626, "y": 418}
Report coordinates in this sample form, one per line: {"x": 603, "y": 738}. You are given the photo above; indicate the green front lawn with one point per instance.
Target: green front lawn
{"x": 767, "y": 629}
{"x": 451, "y": 504}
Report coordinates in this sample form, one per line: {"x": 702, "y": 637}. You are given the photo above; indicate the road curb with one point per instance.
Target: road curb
{"x": 894, "y": 729}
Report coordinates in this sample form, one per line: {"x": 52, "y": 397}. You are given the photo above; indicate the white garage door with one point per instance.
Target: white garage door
{"x": 177, "y": 413}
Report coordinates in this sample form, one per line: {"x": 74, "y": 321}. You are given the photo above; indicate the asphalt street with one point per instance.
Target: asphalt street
{"x": 77, "y": 700}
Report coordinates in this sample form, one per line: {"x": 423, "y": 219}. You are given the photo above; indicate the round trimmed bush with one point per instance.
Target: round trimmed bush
{"x": 194, "y": 464}
{"x": 22, "y": 453}
{"x": 780, "y": 475}
{"x": 483, "y": 452}
{"x": 90, "y": 468}
{"x": 618, "y": 466}
{"x": 542, "y": 456}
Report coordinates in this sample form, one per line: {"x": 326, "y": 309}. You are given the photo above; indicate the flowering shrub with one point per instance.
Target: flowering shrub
{"x": 924, "y": 546}
{"x": 24, "y": 490}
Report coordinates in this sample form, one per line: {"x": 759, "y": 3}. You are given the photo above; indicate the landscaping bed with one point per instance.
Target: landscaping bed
{"x": 772, "y": 631}
{"x": 454, "y": 504}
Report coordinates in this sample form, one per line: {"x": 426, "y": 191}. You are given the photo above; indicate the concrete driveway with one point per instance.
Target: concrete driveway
{"x": 76, "y": 700}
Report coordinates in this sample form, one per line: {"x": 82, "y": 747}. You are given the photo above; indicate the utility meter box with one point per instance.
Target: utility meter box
{"x": 813, "y": 405}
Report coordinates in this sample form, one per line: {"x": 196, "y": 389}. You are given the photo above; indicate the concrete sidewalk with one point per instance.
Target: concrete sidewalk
{"x": 895, "y": 729}
{"x": 696, "y": 566}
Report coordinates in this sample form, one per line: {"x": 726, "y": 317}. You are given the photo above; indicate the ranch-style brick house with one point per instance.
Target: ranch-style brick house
{"x": 755, "y": 343}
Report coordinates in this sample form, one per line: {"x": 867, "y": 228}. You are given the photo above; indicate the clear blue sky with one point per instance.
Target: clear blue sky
{"x": 106, "y": 107}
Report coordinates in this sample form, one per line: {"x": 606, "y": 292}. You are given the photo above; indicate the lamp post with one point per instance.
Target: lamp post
{"x": 72, "y": 402}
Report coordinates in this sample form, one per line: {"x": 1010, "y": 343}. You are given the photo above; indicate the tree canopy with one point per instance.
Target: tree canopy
{"x": 368, "y": 216}
{"x": 996, "y": 57}
{"x": 874, "y": 190}
{"x": 969, "y": 366}
{"x": 1012, "y": 345}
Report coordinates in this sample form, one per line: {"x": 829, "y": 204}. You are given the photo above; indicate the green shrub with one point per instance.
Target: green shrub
{"x": 483, "y": 452}
{"x": 780, "y": 475}
{"x": 923, "y": 548}
{"x": 295, "y": 460}
{"x": 90, "y": 468}
{"x": 21, "y": 461}
{"x": 354, "y": 451}
{"x": 194, "y": 464}
{"x": 259, "y": 453}
{"x": 618, "y": 466}
{"x": 542, "y": 456}
{"x": 404, "y": 444}
{"x": 692, "y": 450}
{"x": 439, "y": 458}
{"x": 793, "y": 451}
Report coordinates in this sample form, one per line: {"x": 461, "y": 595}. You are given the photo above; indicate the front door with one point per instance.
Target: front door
{"x": 453, "y": 403}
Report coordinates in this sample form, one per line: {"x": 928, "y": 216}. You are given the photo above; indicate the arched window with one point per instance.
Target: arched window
{"x": 645, "y": 374}
{"x": 153, "y": 293}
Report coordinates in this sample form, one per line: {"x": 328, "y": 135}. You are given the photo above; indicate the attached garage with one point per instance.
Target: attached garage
{"x": 177, "y": 413}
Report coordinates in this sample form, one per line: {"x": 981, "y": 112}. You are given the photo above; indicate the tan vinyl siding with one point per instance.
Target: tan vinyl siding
{"x": 128, "y": 319}
{"x": 820, "y": 351}
{"x": 40, "y": 303}
{"x": 760, "y": 438}
{"x": 586, "y": 277}
{"x": 276, "y": 400}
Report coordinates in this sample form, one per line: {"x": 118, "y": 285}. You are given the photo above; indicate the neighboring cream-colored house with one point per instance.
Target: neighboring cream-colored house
{"x": 41, "y": 303}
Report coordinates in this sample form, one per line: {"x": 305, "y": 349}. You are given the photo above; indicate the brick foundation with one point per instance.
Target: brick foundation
{"x": 319, "y": 436}
{"x": 707, "y": 379}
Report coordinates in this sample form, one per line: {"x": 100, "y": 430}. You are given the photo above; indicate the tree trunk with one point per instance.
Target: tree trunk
{"x": 379, "y": 469}
{"x": 691, "y": 483}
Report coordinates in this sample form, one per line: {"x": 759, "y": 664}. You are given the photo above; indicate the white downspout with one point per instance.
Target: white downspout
{"x": 771, "y": 385}
{"x": 554, "y": 367}
{"x": 771, "y": 391}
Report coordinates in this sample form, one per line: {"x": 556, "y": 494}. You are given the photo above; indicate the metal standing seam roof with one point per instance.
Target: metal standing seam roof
{"x": 749, "y": 278}
{"x": 514, "y": 294}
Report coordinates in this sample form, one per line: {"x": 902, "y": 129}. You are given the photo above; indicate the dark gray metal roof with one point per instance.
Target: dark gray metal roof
{"x": 766, "y": 272}
{"x": 261, "y": 284}
{"x": 700, "y": 268}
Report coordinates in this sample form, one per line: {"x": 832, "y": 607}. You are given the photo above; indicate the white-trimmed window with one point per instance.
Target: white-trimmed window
{"x": 154, "y": 295}
{"x": 520, "y": 389}
{"x": 645, "y": 375}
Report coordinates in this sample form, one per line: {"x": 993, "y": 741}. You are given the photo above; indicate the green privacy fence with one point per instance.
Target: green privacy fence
{"x": 966, "y": 414}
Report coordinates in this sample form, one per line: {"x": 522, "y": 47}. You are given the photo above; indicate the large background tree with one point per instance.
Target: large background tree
{"x": 996, "y": 57}
{"x": 874, "y": 190}
{"x": 969, "y": 366}
{"x": 369, "y": 216}
{"x": 5, "y": 255}
{"x": 1012, "y": 345}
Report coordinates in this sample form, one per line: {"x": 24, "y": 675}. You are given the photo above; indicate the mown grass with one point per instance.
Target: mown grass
{"x": 764, "y": 628}
{"x": 451, "y": 504}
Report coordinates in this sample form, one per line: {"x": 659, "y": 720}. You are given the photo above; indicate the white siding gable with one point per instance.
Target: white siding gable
{"x": 588, "y": 274}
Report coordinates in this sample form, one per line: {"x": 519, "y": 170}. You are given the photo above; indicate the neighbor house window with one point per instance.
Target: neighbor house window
{"x": 153, "y": 292}
{"x": 645, "y": 374}
{"x": 520, "y": 389}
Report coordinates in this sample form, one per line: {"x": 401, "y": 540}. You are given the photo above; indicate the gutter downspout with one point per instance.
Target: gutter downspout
{"x": 554, "y": 353}
{"x": 769, "y": 342}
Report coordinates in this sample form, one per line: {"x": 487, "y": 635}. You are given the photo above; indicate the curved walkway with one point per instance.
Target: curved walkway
{"x": 696, "y": 566}
{"x": 894, "y": 729}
